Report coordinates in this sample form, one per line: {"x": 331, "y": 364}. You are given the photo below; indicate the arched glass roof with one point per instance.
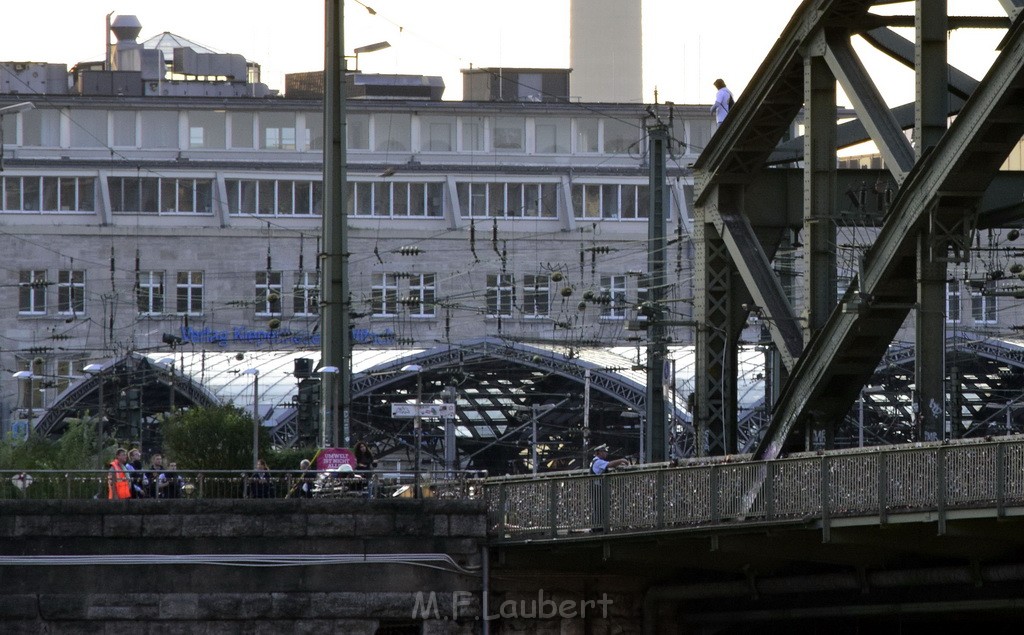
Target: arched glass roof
{"x": 224, "y": 374}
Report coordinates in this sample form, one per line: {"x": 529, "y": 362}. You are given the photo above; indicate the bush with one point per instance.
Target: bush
{"x": 215, "y": 438}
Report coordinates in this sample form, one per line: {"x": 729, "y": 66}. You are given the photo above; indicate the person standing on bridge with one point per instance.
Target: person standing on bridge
{"x": 118, "y": 486}
{"x": 723, "y": 102}
{"x": 600, "y": 463}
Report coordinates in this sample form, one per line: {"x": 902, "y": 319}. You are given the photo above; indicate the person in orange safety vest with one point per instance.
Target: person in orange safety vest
{"x": 117, "y": 479}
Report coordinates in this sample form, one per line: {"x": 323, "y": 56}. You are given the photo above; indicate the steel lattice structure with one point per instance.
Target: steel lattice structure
{"x": 944, "y": 191}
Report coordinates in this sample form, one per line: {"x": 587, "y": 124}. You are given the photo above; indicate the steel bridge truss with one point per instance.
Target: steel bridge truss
{"x": 944, "y": 180}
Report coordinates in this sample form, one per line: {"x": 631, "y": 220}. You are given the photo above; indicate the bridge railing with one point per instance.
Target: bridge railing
{"x": 82, "y": 484}
{"x": 717, "y": 492}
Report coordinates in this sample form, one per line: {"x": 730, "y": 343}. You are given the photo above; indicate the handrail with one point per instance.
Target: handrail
{"x": 822, "y": 487}
{"x": 85, "y": 484}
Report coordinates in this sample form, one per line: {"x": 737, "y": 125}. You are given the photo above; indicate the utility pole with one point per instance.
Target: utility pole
{"x": 658, "y": 138}
{"x": 336, "y": 344}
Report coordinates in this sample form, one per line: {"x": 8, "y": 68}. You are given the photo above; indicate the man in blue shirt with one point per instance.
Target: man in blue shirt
{"x": 600, "y": 463}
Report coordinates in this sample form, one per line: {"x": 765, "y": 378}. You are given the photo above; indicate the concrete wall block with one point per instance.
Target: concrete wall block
{"x": 168, "y": 526}
{"x": 200, "y": 526}
{"x": 14, "y": 607}
{"x": 375, "y": 525}
{"x": 62, "y": 606}
{"x": 320, "y": 525}
{"x": 441, "y": 525}
{"x": 179, "y": 606}
{"x": 464, "y": 525}
{"x": 126, "y": 606}
{"x": 123, "y": 525}
{"x": 292, "y": 526}
{"x": 337, "y": 605}
{"x": 290, "y": 605}
{"x": 243, "y": 606}
{"x": 234, "y": 525}
{"x": 413, "y": 525}
{"x": 449, "y": 627}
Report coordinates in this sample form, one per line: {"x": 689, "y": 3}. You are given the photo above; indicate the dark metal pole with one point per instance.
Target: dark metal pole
{"x": 654, "y": 452}
{"x": 336, "y": 349}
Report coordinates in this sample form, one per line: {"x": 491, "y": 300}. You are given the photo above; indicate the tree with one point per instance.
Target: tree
{"x": 74, "y": 450}
{"x": 213, "y": 438}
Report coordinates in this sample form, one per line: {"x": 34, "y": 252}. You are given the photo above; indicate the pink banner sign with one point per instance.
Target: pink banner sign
{"x": 331, "y": 458}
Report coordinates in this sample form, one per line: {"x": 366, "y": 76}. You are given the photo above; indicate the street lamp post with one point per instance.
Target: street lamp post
{"x": 96, "y": 370}
{"x": 27, "y": 375}
{"x": 417, "y": 425}
{"x": 255, "y": 372}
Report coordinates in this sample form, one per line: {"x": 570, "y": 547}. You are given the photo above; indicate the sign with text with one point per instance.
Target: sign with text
{"x": 436, "y": 410}
{"x": 331, "y": 458}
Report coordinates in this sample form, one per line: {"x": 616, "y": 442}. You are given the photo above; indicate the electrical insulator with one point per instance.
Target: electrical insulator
{"x": 409, "y": 250}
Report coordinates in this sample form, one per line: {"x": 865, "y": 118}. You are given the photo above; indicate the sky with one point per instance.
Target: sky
{"x": 687, "y": 44}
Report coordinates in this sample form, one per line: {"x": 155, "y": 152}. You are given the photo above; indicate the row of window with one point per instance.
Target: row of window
{"x": 151, "y": 293}
{"x": 391, "y": 294}
{"x": 284, "y": 197}
{"x": 531, "y": 296}
{"x": 302, "y": 131}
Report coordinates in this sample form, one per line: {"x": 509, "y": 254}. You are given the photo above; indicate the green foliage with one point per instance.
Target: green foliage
{"x": 75, "y": 450}
{"x": 289, "y": 458}
{"x": 216, "y": 438}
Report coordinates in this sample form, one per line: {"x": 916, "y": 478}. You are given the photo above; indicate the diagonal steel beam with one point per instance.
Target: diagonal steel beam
{"x": 867, "y": 101}
{"x": 945, "y": 186}
{"x": 762, "y": 283}
{"x": 901, "y": 49}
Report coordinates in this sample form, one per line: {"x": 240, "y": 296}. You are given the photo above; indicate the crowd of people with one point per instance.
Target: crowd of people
{"x": 129, "y": 478}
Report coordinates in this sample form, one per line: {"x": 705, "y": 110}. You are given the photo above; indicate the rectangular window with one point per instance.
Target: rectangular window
{"x": 189, "y": 290}
{"x": 268, "y": 293}
{"x": 207, "y": 130}
{"x": 552, "y": 136}
{"x": 41, "y": 128}
{"x": 71, "y": 292}
{"x": 983, "y": 308}
{"x": 358, "y": 130}
{"x": 159, "y": 129}
{"x": 422, "y": 293}
{"x": 438, "y": 133}
{"x": 88, "y": 128}
{"x": 149, "y": 292}
{"x": 610, "y": 201}
{"x": 32, "y": 292}
{"x": 586, "y": 136}
{"x": 392, "y": 132}
{"x": 306, "y": 299}
{"x": 277, "y": 130}
{"x": 124, "y": 128}
{"x": 314, "y": 138}
{"x": 384, "y": 295}
{"x": 500, "y": 294}
{"x": 536, "y": 295}
{"x": 12, "y": 194}
{"x": 473, "y": 134}
{"x": 241, "y": 129}
{"x": 509, "y": 134}
{"x": 613, "y": 297}
{"x": 621, "y": 137}
{"x": 953, "y": 301}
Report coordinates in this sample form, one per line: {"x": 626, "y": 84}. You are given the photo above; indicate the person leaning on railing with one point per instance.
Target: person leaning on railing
{"x": 118, "y": 485}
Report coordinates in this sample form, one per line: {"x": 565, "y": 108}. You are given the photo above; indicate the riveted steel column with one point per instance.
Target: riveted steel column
{"x": 819, "y": 192}
{"x": 656, "y": 346}
{"x": 715, "y": 381}
{"x": 336, "y": 346}
{"x": 931, "y": 110}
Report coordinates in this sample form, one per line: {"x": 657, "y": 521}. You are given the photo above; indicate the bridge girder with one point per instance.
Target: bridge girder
{"x": 927, "y": 224}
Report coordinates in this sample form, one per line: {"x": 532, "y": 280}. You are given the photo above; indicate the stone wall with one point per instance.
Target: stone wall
{"x": 313, "y": 566}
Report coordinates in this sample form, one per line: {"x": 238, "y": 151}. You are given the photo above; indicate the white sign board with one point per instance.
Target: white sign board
{"x": 427, "y": 410}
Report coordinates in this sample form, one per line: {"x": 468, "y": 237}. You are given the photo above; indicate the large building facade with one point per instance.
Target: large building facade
{"x": 186, "y": 212}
